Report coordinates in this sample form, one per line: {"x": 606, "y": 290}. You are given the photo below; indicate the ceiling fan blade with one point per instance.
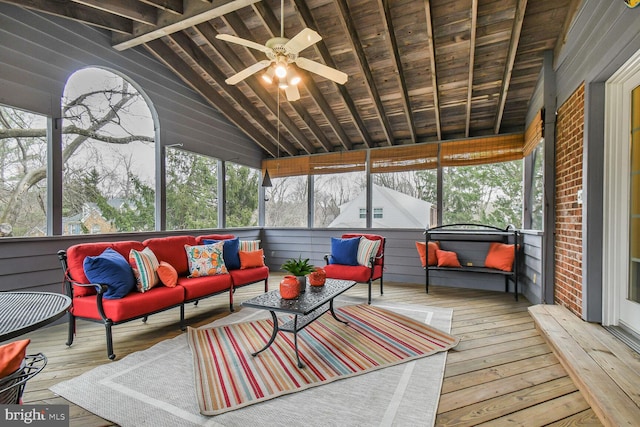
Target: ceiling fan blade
{"x": 243, "y": 42}
{"x": 302, "y": 40}
{"x": 322, "y": 70}
{"x": 292, "y": 92}
{"x": 247, "y": 72}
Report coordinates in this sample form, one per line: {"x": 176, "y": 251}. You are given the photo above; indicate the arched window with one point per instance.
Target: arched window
{"x": 108, "y": 154}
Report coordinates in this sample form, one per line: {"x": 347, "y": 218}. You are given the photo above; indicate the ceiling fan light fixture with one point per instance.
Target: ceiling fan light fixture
{"x": 282, "y": 84}
{"x": 281, "y": 69}
{"x": 267, "y": 76}
{"x": 293, "y": 78}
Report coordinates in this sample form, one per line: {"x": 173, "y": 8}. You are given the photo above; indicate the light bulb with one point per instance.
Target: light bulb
{"x": 293, "y": 78}
{"x": 281, "y": 69}
{"x": 282, "y": 84}
{"x": 268, "y": 75}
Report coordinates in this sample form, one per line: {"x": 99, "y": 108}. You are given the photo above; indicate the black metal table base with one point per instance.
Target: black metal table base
{"x": 294, "y": 327}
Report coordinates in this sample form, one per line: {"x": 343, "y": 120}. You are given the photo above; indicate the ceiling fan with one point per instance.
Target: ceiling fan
{"x": 283, "y": 52}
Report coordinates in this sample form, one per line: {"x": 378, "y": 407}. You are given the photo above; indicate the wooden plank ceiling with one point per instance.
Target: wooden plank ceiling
{"x": 419, "y": 70}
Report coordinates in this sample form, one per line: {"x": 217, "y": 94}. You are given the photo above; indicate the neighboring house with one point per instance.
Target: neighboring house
{"x": 391, "y": 209}
{"x": 90, "y": 219}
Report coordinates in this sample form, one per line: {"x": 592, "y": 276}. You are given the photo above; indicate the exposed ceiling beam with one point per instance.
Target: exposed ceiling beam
{"x": 168, "y": 57}
{"x": 386, "y": 15}
{"x": 80, "y": 13}
{"x": 472, "y": 53}
{"x": 133, "y": 10}
{"x": 323, "y": 51}
{"x": 511, "y": 58}
{"x": 273, "y": 26}
{"x": 347, "y": 22}
{"x": 195, "y": 12}
{"x": 239, "y": 27}
{"x": 189, "y": 48}
{"x": 172, "y": 6}
{"x": 432, "y": 59}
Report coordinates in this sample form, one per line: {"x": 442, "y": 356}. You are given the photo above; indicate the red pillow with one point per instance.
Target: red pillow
{"x": 167, "y": 274}
{"x": 11, "y": 356}
{"x": 500, "y": 256}
{"x": 447, "y": 259}
{"x": 433, "y": 247}
{"x": 251, "y": 259}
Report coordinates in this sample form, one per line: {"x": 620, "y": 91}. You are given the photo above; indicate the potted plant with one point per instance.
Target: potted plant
{"x": 299, "y": 268}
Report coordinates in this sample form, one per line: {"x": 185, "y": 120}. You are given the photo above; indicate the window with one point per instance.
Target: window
{"x": 241, "y": 203}
{"x": 537, "y": 189}
{"x": 192, "y": 190}
{"x": 339, "y": 199}
{"x": 287, "y": 204}
{"x": 109, "y": 153}
{"x": 23, "y": 173}
{"x": 486, "y": 194}
{"x": 408, "y": 198}
{"x": 363, "y": 213}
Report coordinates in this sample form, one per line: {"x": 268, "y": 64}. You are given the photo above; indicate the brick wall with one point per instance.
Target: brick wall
{"x": 568, "y": 227}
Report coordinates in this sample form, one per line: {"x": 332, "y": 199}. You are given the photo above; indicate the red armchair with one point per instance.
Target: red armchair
{"x": 359, "y": 272}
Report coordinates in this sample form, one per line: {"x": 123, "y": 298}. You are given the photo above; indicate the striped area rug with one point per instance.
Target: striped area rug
{"x": 228, "y": 377}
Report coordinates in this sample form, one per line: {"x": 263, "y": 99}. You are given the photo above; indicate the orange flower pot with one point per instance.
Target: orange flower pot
{"x": 289, "y": 288}
{"x": 318, "y": 277}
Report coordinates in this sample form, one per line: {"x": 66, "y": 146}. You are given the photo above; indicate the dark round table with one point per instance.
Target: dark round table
{"x": 22, "y": 312}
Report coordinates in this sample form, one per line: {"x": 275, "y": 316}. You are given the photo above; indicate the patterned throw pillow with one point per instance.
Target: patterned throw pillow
{"x": 366, "y": 249}
{"x": 144, "y": 264}
{"x": 206, "y": 260}
{"x": 249, "y": 245}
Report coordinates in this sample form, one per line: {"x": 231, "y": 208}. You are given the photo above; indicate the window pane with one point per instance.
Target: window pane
{"x": 23, "y": 173}
{"x": 537, "y": 189}
{"x": 242, "y": 195}
{"x": 108, "y": 155}
{"x": 486, "y": 194}
{"x": 405, "y": 199}
{"x": 287, "y": 204}
{"x": 192, "y": 190}
{"x": 340, "y": 200}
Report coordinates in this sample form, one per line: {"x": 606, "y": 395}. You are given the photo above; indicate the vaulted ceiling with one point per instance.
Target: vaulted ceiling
{"x": 418, "y": 70}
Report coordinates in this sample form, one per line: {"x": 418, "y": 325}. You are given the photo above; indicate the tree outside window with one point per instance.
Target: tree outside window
{"x": 242, "y": 195}
{"x": 23, "y": 172}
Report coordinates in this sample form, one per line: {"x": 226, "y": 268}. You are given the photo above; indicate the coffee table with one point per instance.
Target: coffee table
{"x": 309, "y": 306}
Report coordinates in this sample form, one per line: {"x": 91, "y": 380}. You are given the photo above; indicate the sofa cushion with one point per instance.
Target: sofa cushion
{"x": 249, "y": 275}
{"x": 171, "y": 249}
{"x": 344, "y": 251}
{"x": 134, "y": 305}
{"x": 358, "y": 273}
{"x": 200, "y": 239}
{"x": 112, "y": 269}
{"x": 230, "y": 251}
{"x": 144, "y": 264}
{"x": 447, "y": 259}
{"x": 206, "y": 260}
{"x": 366, "y": 249}
{"x": 11, "y": 357}
{"x": 500, "y": 256}
{"x": 77, "y": 253}
{"x": 251, "y": 259}
{"x": 249, "y": 245}
{"x": 198, "y": 287}
{"x": 167, "y": 274}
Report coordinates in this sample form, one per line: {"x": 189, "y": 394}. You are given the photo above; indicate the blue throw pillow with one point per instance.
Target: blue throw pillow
{"x": 230, "y": 252}
{"x": 112, "y": 269}
{"x": 344, "y": 251}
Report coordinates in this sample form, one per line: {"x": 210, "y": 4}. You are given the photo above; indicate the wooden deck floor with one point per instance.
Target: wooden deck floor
{"x": 501, "y": 373}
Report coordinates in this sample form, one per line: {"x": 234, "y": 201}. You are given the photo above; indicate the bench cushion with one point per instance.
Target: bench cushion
{"x": 171, "y": 249}
{"x": 249, "y": 275}
{"x": 198, "y": 287}
{"x": 136, "y": 304}
{"x": 357, "y": 273}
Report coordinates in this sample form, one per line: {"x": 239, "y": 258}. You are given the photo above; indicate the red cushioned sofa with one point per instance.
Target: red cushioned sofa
{"x": 359, "y": 273}
{"x": 87, "y": 298}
